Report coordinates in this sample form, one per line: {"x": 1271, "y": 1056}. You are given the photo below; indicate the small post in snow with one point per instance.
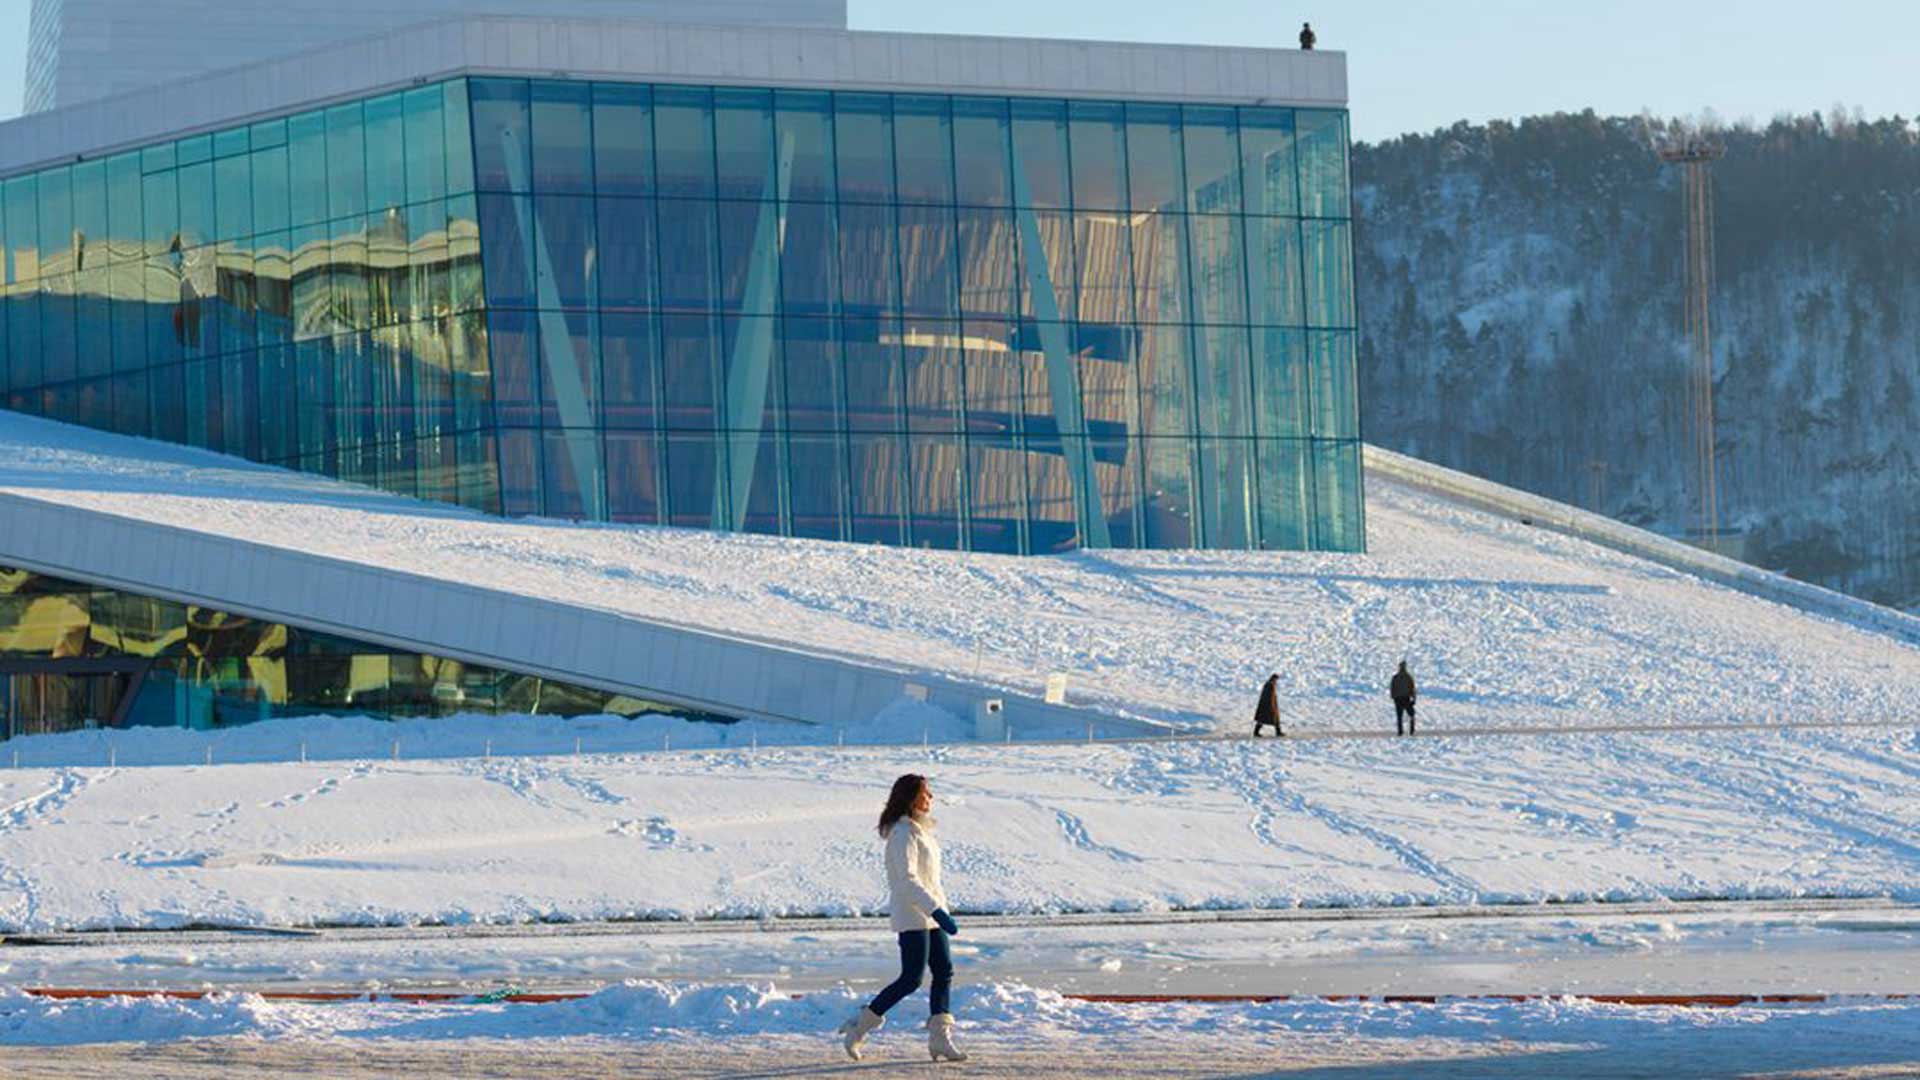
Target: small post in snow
{"x": 576, "y": 746}
{"x": 303, "y": 751}
{"x": 113, "y": 756}
{"x": 1089, "y": 733}
{"x": 926, "y": 737}
{"x": 396, "y": 749}
{"x": 489, "y": 750}
{"x": 16, "y": 759}
{"x": 753, "y": 744}
{"x": 666, "y": 741}
{"x": 839, "y": 739}
{"x": 209, "y": 753}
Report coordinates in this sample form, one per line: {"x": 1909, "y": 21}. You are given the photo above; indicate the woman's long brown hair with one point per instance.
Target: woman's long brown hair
{"x": 900, "y": 800}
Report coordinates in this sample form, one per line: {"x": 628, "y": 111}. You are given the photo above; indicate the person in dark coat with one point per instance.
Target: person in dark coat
{"x": 1267, "y": 713}
{"x": 1307, "y": 37}
{"x": 1403, "y": 693}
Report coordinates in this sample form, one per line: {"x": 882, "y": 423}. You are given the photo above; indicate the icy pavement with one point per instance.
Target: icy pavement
{"x": 1504, "y": 624}
{"x": 1690, "y": 949}
{"x": 1131, "y": 827}
{"x": 747, "y": 1029}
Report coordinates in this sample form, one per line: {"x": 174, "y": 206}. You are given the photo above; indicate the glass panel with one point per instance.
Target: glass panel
{"x": 1323, "y": 163}
{"x": 1160, "y": 268}
{"x": 306, "y": 167}
{"x": 877, "y": 470}
{"x": 1280, "y": 383}
{"x": 197, "y": 224}
{"x": 1056, "y": 254}
{"x": 23, "y": 226}
{"x": 996, "y": 373}
{"x": 1213, "y": 160}
{"x": 868, "y": 271}
{"x": 1219, "y": 275}
{"x": 124, "y": 219}
{"x": 931, "y": 356}
{"x": 1274, "y": 272}
{"x": 233, "y": 198}
{"x": 346, "y": 163}
{"x": 562, "y": 137}
{"x": 743, "y": 144}
{"x": 1040, "y": 151}
{"x": 352, "y": 293}
{"x": 809, "y": 269}
{"x": 573, "y": 474}
{"x": 90, "y": 214}
{"x": 996, "y": 495}
{"x": 1224, "y": 382}
{"x": 874, "y": 375}
{"x": 1104, "y": 253}
{"x": 1167, "y": 509}
{"x": 426, "y": 144}
{"x": 510, "y": 348}
{"x": 1099, "y": 156}
{"x": 1336, "y": 406}
{"x": 633, "y": 482}
{"x": 1226, "y": 482}
{"x": 504, "y": 220}
{"x": 623, "y": 139}
{"x": 1266, "y": 161}
{"x": 520, "y": 472}
{"x": 804, "y": 123}
{"x": 689, "y": 256}
{"x": 270, "y": 198}
{"x": 1286, "y": 494}
{"x": 982, "y": 146}
{"x": 1117, "y": 472}
{"x": 627, "y": 253}
{"x": 630, "y": 352}
{"x": 927, "y": 262}
{"x": 863, "y": 133}
{"x": 690, "y": 371}
{"x": 386, "y": 152}
{"x": 1053, "y": 513}
{"x": 1339, "y": 521}
{"x": 1109, "y": 387}
{"x": 695, "y": 488}
{"x": 1328, "y": 255}
{"x": 683, "y": 147}
{"x": 811, "y": 374}
{"x": 501, "y": 120}
{"x": 1166, "y": 381}
{"x": 817, "y": 496}
{"x": 988, "y": 284}
{"x": 566, "y": 250}
{"x": 459, "y": 137}
{"x": 312, "y": 282}
{"x": 936, "y": 482}
{"x": 569, "y": 369}
{"x": 923, "y": 136}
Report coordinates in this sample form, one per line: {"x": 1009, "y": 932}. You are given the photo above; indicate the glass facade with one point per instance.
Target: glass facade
{"x": 74, "y": 656}
{"x": 993, "y": 324}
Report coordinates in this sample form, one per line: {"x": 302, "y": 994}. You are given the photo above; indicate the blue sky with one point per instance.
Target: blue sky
{"x": 1417, "y": 66}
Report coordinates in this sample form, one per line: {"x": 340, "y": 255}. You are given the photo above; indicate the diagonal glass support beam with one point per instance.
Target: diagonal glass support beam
{"x": 569, "y": 389}
{"x": 1063, "y": 378}
{"x": 749, "y": 374}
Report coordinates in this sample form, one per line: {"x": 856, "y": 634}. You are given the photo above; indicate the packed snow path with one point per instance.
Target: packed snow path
{"x": 657, "y": 1029}
{"x": 1504, "y": 624}
{"x": 1145, "y": 826}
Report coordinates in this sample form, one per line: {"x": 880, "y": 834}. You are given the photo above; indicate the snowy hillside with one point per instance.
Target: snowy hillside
{"x": 1138, "y": 827}
{"x": 1504, "y": 624}
{"x": 1521, "y": 289}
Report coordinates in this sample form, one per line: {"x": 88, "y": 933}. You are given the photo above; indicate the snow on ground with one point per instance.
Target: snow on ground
{"x": 1118, "y": 827}
{"x": 1796, "y": 947}
{"x": 1568, "y": 1037}
{"x": 1504, "y": 624}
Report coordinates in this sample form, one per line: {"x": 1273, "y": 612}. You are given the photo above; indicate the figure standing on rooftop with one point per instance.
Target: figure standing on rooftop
{"x": 1403, "y": 692}
{"x": 1307, "y": 37}
{"x": 1267, "y": 713}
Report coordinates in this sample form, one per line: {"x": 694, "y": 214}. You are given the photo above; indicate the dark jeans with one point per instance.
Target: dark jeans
{"x": 919, "y": 950}
{"x": 1403, "y": 717}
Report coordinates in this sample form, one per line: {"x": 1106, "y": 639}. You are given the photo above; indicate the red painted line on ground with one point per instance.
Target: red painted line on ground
{"x": 1721, "y": 1001}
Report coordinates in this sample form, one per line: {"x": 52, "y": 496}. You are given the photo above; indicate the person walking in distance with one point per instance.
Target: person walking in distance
{"x": 1267, "y": 713}
{"x": 919, "y": 909}
{"x": 1403, "y": 692}
{"x": 1307, "y": 37}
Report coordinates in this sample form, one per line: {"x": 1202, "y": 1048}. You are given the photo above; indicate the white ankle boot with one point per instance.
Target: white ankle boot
{"x": 857, "y": 1029}
{"x": 940, "y": 1039}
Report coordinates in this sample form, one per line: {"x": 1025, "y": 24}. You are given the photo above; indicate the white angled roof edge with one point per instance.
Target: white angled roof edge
{"x": 641, "y": 50}
{"x": 651, "y": 659}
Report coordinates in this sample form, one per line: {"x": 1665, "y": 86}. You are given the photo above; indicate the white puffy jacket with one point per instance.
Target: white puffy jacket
{"x": 913, "y": 874}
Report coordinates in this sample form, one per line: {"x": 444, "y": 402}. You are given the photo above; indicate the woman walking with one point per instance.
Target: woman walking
{"x": 919, "y": 910}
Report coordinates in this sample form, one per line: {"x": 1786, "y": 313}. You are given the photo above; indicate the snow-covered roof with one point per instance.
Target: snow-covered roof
{"x": 642, "y": 50}
{"x": 1505, "y": 623}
